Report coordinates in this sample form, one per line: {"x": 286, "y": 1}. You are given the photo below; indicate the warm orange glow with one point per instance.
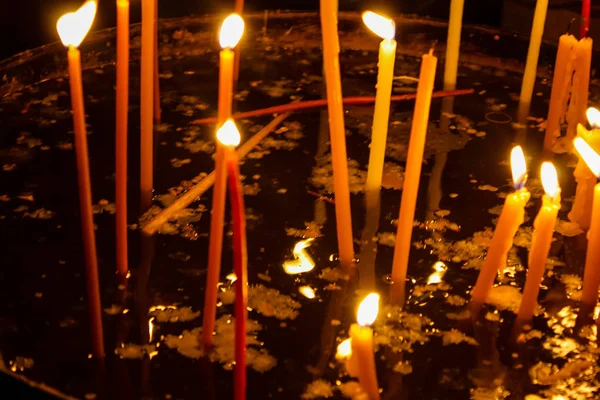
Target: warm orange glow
{"x": 73, "y": 27}
{"x": 228, "y": 134}
{"x": 550, "y": 180}
{"x": 591, "y": 158}
{"x": 231, "y": 277}
{"x": 368, "y": 310}
{"x": 150, "y": 329}
{"x": 519, "y": 167}
{"x": 231, "y": 31}
{"x": 439, "y": 270}
{"x": 307, "y": 292}
{"x": 593, "y": 116}
{"x": 303, "y": 262}
{"x": 344, "y": 350}
{"x": 383, "y": 27}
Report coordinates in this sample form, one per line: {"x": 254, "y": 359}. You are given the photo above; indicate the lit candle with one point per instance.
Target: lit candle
{"x": 337, "y": 131}
{"x": 511, "y": 217}
{"x": 156, "y": 95}
{"x": 543, "y": 229}
{"x": 386, "y": 29}
{"x": 591, "y": 277}
{"x": 585, "y": 18}
{"x": 72, "y": 29}
{"x": 560, "y": 90}
{"x": 231, "y": 32}
{"x": 537, "y": 30}
{"x": 147, "y": 105}
{"x": 453, "y": 43}
{"x": 412, "y": 176}
{"x": 229, "y": 137}
{"x": 581, "y": 85}
{"x": 362, "y": 360}
{"x": 122, "y": 110}
{"x": 581, "y": 212}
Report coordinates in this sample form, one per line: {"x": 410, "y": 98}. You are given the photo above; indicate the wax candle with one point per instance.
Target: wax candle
{"x": 337, "y": 131}
{"x": 560, "y": 90}
{"x": 591, "y": 277}
{"x": 384, "y": 28}
{"x": 72, "y": 29}
{"x": 537, "y": 30}
{"x": 229, "y": 137}
{"x": 453, "y": 43}
{"x": 511, "y": 217}
{"x": 156, "y": 95}
{"x": 412, "y": 175}
{"x": 581, "y": 212}
{"x": 543, "y": 229}
{"x": 362, "y": 360}
{"x": 231, "y": 32}
{"x": 122, "y": 110}
{"x": 578, "y": 103}
{"x": 147, "y": 105}
{"x": 585, "y": 17}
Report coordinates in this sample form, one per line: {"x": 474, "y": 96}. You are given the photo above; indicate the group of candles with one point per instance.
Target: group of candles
{"x": 573, "y": 58}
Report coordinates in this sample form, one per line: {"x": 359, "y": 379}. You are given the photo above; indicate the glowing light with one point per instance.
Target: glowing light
{"x": 307, "y": 292}
{"x": 344, "y": 350}
{"x": 383, "y": 27}
{"x": 150, "y": 329}
{"x": 593, "y": 116}
{"x": 439, "y": 270}
{"x": 228, "y": 134}
{"x": 519, "y": 167}
{"x": 73, "y": 27}
{"x": 368, "y": 310}
{"x": 591, "y": 158}
{"x": 303, "y": 262}
{"x": 231, "y": 277}
{"x": 550, "y": 180}
{"x": 232, "y": 30}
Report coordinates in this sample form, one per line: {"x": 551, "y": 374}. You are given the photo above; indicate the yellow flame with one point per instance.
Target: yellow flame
{"x": 231, "y": 277}
{"x": 228, "y": 134}
{"x": 593, "y": 116}
{"x": 383, "y": 27}
{"x": 344, "y": 350}
{"x": 550, "y": 179}
{"x": 150, "y": 328}
{"x": 303, "y": 262}
{"x": 307, "y": 292}
{"x": 591, "y": 158}
{"x": 439, "y": 270}
{"x": 368, "y": 310}
{"x": 232, "y": 30}
{"x": 73, "y": 27}
{"x": 518, "y": 165}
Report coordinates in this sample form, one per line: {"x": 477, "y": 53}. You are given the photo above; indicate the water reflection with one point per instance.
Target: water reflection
{"x": 368, "y": 251}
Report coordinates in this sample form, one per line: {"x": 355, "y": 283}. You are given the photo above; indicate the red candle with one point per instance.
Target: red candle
{"x": 585, "y": 18}
{"x": 229, "y": 137}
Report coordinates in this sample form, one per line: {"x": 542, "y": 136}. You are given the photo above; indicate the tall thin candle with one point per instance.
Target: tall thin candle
{"x": 156, "y": 96}
{"x": 578, "y": 103}
{"x": 453, "y": 43}
{"x": 585, "y": 18}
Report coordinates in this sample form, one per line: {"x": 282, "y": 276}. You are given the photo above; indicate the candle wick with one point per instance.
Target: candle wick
{"x": 570, "y": 25}
{"x": 432, "y": 47}
{"x": 520, "y": 183}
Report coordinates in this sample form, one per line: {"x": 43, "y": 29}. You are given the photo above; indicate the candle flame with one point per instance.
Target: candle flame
{"x": 232, "y": 30}
{"x": 228, "y": 134}
{"x": 381, "y": 26}
{"x": 439, "y": 270}
{"x": 519, "y": 167}
{"x": 72, "y": 27}
{"x": 591, "y": 158}
{"x": 303, "y": 262}
{"x": 307, "y": 292}
{"x": 344, "y": 350}
{"x": 368, "y": 310}
{"x": 150, "y": 329}
{"x": 593, "y": 116}
{"x": 550, "y": 180}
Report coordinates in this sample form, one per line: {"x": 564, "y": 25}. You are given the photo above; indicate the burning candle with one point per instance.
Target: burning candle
{"x": 537, "y": 30}
{"x": 585, "y": 17}
{"x": 362, "y": 360}
{"x": 581, "y": 85}
{"x": 581, "y": 212}
{"x": 122, "y": 110}
{"x": 147, "y": 105}
{"x": 591, "y": 277}
{"x": 337, "y": 131}
{"x": 453, "y": 43}
{"x": 543, "y": 229}
{"x": 231, "y": 32}
{"x": 412, "y": 175}
{"x": 386, "y": 29}
{"x": 511, "y": 217}
{"x": 560, "y": 90}
{"x": 229, "y": 137}
{"x": 72, "y": 29}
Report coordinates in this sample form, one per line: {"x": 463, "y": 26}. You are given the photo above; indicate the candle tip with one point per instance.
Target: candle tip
{"x": 228, "y": 134}
{"x": 74, "y": 26}
{"x": 591, "y": 158}
{"x": 593, "y": 116}
{"x": 368, "y": 310}
{"x": 519, "y": 167}
{"x": 232, "y": 30}
{"x": 383, "y": 27}
{"x": 550, "y": 180}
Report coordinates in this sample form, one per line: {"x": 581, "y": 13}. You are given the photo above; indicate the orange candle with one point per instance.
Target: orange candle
{"x": 156, "y": 96}
{"x": 412, "y": 175}
{"x": 337, "y": 131}
{"x": 147, "y": 105}
{"x": 231, "y": 32}
{"x": 591, "y": 277}
{"x": 122, "y": 110}
{"x": 540, "y": 244}
{"x": 72, "y": 29}
{"x": 582, "y": 52}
